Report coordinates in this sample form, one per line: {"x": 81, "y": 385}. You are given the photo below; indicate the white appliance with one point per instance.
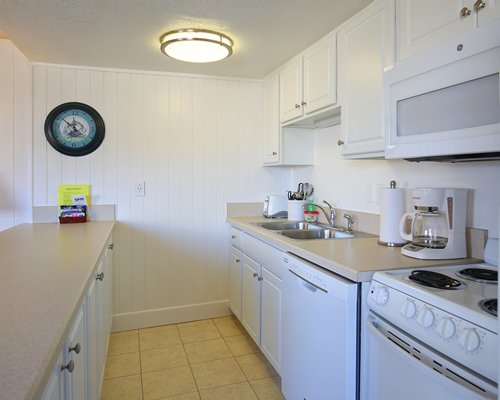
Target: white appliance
{"x": 427, "y": 342}
{"x": 438, "y": 224}
{"x": 444, "y": 104}
{"x": 275, "y": 206}
{"x": 319, "y": 333}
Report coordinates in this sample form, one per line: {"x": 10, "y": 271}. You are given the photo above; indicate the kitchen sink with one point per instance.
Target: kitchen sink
{"x": 316, "y": 234}
{"x": 285, "y": 226}
{"x": 309, "y": 231}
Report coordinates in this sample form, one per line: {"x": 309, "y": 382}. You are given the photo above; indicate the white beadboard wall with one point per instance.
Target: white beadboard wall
{"x": 196, "y": 143}
{"x": 15, "y": 137}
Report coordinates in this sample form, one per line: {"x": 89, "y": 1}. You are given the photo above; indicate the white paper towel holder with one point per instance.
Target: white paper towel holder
{"x": 392, "y": 244}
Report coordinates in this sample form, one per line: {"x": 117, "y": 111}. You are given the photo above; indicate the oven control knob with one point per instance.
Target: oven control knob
{"x": 469, "y": 339}
{"x": 380, "y": 295}
{"x": 425, "y": 317}
{"x": 409, "y": 309}
{"x": 446, "y": 328}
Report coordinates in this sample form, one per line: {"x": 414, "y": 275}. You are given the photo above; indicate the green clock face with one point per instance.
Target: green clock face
{"x": 74, "y": 129}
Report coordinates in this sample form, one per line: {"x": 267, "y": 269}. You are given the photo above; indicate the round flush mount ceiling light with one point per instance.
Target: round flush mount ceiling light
{"x": 196, "y": 45}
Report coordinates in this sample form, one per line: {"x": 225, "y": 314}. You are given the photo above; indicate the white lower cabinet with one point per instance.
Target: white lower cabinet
{"x": 79, "y": 369}
{"x": 258, "y": 275}
{"x": 235, "y": 258}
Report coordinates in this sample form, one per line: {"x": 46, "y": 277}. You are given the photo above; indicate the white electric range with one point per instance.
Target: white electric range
{"x": 432, "y": 332}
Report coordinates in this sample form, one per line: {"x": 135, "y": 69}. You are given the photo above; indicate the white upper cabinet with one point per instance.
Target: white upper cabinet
{"x": 421, "y": 24}
{"x": 365, "y": 49}
{"x": 308, "y": 82}
{"x": 271, "y": 127}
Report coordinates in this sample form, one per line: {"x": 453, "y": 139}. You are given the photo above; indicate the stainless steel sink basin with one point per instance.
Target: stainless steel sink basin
{"x": 308, "y": 231}
{"x": 316, "y": 234}
{"x": 285, "y": 226}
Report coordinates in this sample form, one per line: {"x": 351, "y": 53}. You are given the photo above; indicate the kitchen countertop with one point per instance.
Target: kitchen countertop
{"x": 44, "y": 271}
{"x": 356, "y": 259}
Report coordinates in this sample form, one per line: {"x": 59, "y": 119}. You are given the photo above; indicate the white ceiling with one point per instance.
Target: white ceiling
{"x": 125, "y": 33}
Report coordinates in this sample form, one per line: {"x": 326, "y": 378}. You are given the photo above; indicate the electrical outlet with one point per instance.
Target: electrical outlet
{"x": 139, "y": 188}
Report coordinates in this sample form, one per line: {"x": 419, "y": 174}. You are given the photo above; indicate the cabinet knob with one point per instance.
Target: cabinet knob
{"x": 478, "y": 5}
{"x": 297, "y": 105}
{"x": 304, "y": 103}
{"x": 237, "y": 261}
{"x": 100, "y": 276}
{"x": 340, "y": 142}
{"x": 274, "y": 153}
{"x": 255, "y": 274}
{"x": 111, "y": 246}
{"x": 233, "y": 236}
{"x": 260, "y": 278}
{"x": 76, "y": 348}
{"x": 69, "y": 366}
{"x": 464, "y": 12}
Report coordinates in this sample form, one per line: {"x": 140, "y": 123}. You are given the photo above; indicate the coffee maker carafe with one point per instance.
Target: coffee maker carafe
{"x": 437, "y": 224}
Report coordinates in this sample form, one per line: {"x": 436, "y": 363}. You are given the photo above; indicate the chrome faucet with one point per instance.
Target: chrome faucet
{"x": 330, "y": 215}
{"x": 349, "y": 222}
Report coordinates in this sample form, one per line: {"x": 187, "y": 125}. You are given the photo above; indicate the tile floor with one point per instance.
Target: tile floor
{"x": 212, "y": 359}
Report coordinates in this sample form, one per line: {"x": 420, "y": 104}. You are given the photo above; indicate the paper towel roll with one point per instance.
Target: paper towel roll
{"x": 392, "y": 208}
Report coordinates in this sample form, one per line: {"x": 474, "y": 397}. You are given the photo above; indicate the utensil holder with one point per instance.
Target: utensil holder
{"x": 296, "y": 210}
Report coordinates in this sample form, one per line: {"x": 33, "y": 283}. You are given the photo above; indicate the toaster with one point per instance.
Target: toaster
{"x": 275, "y": 206}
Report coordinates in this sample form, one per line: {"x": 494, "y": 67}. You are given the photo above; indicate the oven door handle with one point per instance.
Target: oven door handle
{"x": 425, "y": 363}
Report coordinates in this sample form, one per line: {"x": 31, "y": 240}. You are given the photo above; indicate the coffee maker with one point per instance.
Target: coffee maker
{"x": 437, "y": 224}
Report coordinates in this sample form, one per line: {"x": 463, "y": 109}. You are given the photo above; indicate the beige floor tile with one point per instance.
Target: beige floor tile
{"x": 186, "y": 396}
{"x": 160, "y": 336}
{"x": 163, "y": 358}
{"x": 237, "y": 391}
{"x": 122, "y": 365}
{"x": 198, "y": 331}
{"x": 241, "y": 345}
{"x": 255, "y": 366}
{"x": 123, "y": 342}
{"x": 127, "y": 388}
{"x": 217, "y": 373}
{"x": 229, "y": 326}
{"x": 268, "y": 388}
{"x": 207, "y": 350}
{"x": 168, "y": 382}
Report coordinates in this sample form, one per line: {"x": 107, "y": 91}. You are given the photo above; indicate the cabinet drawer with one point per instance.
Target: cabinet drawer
{"x": 266, "y": 254}
{"x": 235, "y": 237}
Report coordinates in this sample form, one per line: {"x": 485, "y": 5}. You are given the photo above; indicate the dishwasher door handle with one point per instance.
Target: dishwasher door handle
{"x": 307, "y": 284}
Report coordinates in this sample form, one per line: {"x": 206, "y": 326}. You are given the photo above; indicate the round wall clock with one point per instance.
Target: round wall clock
{"x": 74, "y": 129}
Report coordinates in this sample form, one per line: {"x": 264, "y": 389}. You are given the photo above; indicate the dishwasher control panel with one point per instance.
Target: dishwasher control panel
{"x": 309, "y": 273}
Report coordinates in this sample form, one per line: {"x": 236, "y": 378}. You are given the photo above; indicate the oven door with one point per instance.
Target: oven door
{"x": 397, "y": 366}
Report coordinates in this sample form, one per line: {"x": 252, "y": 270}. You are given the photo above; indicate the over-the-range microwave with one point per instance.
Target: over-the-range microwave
{"x": 444, "y": 104}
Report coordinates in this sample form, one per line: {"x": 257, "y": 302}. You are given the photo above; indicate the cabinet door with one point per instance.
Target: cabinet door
{"x": 271, "y": 318}
{"x": 250, "y": 298}
{"x": 290, "y": 85}
{"x": 489, "y": 13}
{"x": 271, "y": 133}
{"x": 366, "y": 48}
{"x": 93, "y": 342}
{"x": 107, "y": 294}
{"x": 54, "y": 388}
{"x": 320, "y": 74}
{"x": 421, "y": 24}
{"x": 235, "y": 261}
{"x": 76, "y": 387}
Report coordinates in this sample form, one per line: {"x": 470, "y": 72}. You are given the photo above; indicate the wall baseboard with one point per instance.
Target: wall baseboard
{"x": 170, "y": 315}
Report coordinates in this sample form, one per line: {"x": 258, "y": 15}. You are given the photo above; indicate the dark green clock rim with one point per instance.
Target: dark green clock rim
{"x": 69, "y": 151}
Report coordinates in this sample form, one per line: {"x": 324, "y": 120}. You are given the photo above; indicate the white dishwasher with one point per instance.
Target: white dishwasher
{"x": 319, "y": 337}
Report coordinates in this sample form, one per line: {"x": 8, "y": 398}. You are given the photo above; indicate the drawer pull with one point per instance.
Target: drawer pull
{"x": 111, "y": 246}
{"x": 76, "y": 348}
{"x": 233, "y": 236}
{"x": 69, "y": 366}
{"x": 255, "y": 274}
{"x": 237, "y": 260}
{"x": 100, "y": 276}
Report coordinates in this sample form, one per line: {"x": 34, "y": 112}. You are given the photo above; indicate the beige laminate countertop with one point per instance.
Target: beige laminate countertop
{"x": 44, "y": 270}
{"x": 356, "y": 259}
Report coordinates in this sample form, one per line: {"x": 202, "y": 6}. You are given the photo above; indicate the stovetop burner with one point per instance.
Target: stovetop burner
{"x": 481, "y": 275}
{"x": 490, "y": 306}
{"x": 435, "y": 280}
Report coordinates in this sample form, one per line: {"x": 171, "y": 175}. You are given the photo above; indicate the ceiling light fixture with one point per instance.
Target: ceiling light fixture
{"x": 196, "y": 45}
